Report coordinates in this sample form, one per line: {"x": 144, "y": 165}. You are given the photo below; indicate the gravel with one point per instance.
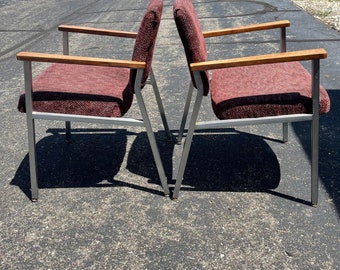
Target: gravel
{"x": 328, "y": 11}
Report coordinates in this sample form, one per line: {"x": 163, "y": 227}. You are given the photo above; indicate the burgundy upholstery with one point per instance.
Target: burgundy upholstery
{"x": 251, "y": 91}
{"x": 264, "y": 90}
{"x": 146, "y": 38}
{"x": 81, "y": 89}
{"x": 192, "y": 38}
{"x": 93, "y": 90}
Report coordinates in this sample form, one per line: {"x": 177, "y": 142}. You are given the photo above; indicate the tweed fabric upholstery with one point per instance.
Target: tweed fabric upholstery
{"x": 146, "y": 39}
{"x": 81, "y": 89}
{"x": 250, "y": 91}
{"x": 95, "y": 90}
{"x": 191, "y": 34}
{"x": 264, "y": 90}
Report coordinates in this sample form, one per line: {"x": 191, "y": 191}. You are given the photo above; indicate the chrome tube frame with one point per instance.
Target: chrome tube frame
{"x": 31, "y": 130}
{"x": 190, "y": 133}
{"x": 285, "y": 119}
{"x": 283, "y": 48}
{"x": 66, "y": 50}
{"x": 315, "y": 131}
{"x": 31, "y": 116}
{"x": 150, "y": 134}
{"x": 185, "y": 113}
{"x": 160, "y": 104}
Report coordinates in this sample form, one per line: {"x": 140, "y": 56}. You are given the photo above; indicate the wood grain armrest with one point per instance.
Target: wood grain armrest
{"x": 81, "y": 60}
{"x": 96, "y": 31}
{"x": 261, "y": 59}
{"x": 247, "y": 28}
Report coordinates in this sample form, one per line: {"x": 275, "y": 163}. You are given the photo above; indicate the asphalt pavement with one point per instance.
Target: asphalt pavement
{"x": 101, "y": 204}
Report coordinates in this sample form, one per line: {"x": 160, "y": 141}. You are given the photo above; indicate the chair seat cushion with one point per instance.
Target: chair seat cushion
{"x": 264, "y": 90}
{"x": 81, "y": 89}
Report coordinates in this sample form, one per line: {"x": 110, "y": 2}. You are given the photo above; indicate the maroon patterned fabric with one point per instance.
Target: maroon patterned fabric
{"x": 93, "y": 90}
{"x": 81, "y": 89}
{"x": 264, "y": 90}
{"x": 146, "y": 38}
{"x": 247, "y": 92}
{"x": 192, "y": 38}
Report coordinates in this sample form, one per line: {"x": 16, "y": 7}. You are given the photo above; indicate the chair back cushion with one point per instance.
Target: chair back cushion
{"x": 191, "y": 34}
{"x": 96, "y": 91}
{"x": 146, "y": 39}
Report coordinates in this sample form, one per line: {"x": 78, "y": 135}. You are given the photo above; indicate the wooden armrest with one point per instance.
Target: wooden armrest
{"x": 247, "y": 28}
{"x": 80, "y": 60}
{"x": 261, "y": 59}
{"x": 96, "y": 31}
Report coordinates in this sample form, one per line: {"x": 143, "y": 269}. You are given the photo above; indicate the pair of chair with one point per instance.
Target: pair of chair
{"x": 272, "y": 88}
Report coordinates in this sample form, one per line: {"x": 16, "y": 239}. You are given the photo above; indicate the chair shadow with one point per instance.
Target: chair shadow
{"x": 92, "y": 160}
{"x": 141, "y": 160}
{"x": 329, "y": 157}
{"x": 231, "y": 162}
{"x": 228, "y": 162}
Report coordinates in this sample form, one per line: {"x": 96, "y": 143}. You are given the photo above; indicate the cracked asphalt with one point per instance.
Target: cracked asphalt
{"x": 101, "y": 204}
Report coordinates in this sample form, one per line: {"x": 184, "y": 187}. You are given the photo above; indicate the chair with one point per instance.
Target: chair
{"x": 271, "y": 88}
{"x": 97, "y": 90}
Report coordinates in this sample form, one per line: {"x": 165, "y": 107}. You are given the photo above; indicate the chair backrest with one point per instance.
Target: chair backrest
{"x": 191, "y": 34}
{"x": 146, "y": 39}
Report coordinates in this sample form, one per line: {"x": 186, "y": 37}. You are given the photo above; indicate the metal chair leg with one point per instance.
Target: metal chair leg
{"x": 315, "y": 163}
{"x": 187, "y": 144}
{"x": 31, "y": 130}
{"x": 160, "y": 104}
{"x": 315, "y": 132}
{"x": 185, "y": 114}
{"x": 32, "y": 158}
{"x": 153, "y": 144}
{"x": 151, "y": 135}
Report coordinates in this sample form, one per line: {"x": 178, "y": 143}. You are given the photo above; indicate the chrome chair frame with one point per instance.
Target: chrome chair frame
{"x": 32, "y": 115}
{"x": 283, "y": 56}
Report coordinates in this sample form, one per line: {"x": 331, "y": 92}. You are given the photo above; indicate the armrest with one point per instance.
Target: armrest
{"x": 261, "y": 59}
{"x": 248, "y": 28}
{"x": 96, "y": 31}
{"x": 80, "y": 60}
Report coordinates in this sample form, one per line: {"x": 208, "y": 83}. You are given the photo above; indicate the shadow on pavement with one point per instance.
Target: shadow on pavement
{"x": 91, "y": 160}
{"x": 217, "y": 162}
{"x": 141, "y": 161}
{"x": 231, "y": 162}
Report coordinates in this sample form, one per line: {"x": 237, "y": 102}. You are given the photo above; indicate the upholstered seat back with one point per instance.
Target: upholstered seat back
{"x": 94, "y": 90}
{"x": 146, "y": 38}
{"x": 192, "y": 38}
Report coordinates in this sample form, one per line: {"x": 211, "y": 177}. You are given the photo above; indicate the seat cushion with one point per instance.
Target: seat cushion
{"x": 81, "y": 89}
{"x": 264, "y": 90}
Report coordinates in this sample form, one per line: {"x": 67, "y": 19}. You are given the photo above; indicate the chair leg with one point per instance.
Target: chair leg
{"x": 68, "y": 132}
{"x": 32, "y": 158}
{"x": 315, "y": 162}
{"x": 185, "y": 114}
{"x": 285, "y": 132}
{"x": 187, "y": 144}
{"x": 315, "y": 132}
{"x": 31, "y": 130}
{"x": 153, "y": 144}
{"x": 160, "y": 104}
